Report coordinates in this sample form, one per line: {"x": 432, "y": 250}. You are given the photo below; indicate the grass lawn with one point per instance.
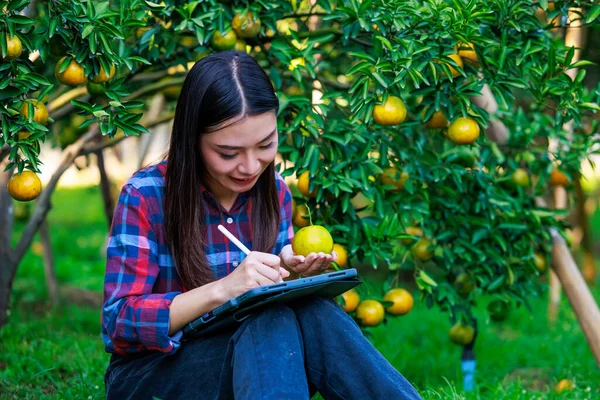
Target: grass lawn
{"x": 57, "y": 353}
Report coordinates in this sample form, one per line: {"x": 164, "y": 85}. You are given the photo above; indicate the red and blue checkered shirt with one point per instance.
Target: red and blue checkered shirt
{"x": 141, "y": 280}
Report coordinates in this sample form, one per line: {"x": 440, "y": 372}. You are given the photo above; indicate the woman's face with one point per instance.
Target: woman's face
{"x": 237, "y": 154}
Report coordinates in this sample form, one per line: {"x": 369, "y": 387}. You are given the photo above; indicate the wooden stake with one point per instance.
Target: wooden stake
{"x": 577, "y": 292}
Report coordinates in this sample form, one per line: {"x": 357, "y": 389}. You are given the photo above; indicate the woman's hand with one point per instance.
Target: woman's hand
{"x": 313, "y": 264}
{"x": 257, "y": 269}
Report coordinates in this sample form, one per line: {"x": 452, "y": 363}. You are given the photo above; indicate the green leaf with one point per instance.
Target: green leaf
{"x": 593, "y": 14}
{"x": 427, "y": 279}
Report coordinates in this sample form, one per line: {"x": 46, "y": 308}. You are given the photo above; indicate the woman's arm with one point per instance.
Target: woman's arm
{"x": 191, "y": 305}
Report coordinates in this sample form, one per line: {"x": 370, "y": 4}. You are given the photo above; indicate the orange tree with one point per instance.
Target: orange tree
{"x": 381, "y": 114}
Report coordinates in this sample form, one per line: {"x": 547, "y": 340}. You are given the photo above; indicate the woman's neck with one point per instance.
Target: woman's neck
{"x": 224, "y": 196}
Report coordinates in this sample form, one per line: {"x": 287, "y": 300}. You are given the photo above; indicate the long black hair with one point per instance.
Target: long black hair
{"x": 220, "y": 87}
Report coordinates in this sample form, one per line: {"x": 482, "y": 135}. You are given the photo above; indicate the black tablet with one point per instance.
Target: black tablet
{"x": 236, "y": 310}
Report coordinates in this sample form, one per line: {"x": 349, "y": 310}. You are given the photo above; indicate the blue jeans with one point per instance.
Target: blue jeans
{"x": 286, "y": 351}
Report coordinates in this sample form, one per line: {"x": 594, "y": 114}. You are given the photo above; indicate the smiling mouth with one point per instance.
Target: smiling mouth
{"x": 245, "y": 180}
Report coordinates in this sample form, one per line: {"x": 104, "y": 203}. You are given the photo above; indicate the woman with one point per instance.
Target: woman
{"x": 167, "y": 264}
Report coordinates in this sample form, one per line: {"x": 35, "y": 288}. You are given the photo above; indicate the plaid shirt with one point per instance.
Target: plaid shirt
{"x": 141, "y": 280}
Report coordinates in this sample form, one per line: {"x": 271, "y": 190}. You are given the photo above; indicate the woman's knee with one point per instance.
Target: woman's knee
{"x": 272, "y": 316}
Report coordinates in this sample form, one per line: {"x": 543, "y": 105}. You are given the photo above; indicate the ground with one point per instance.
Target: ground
{"x": 57, "y": 352}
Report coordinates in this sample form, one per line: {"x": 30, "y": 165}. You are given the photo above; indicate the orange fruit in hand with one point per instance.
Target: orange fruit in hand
{"x": 558, "y": 178}
{"x": 103, "y": 76}
{"x": 300, "y": 218}
{"x": 392, "y": 112}
{"x": 393, "y": 177}
{"x": 370, "y": 312}
{"x": 438, "y": 120}
{"x": 421, "y": 249}
{"x": 25, "y": 186}
{"x": 304, "y": 185}
{"x": 73, "y": 75}
{"x": 402, "y": 299}
{"x": 246, "y": 25}
{"x": 40, "y": 112}
{"x": 414, "y": 231}
{"x": 351, "y": 300}
{"x": 312, "y": 239}
{"x": 463, "y": 131}
{"x": 462, "y": 334}
{"x": 467, "y": 53}
{"x": 223, "y": 40}
{"x": 14, "y": 48}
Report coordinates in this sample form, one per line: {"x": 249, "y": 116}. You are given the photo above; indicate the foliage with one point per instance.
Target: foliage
{"x": 332, "y": 63}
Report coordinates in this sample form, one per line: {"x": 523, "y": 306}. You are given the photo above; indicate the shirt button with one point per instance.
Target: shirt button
{"x": 235, "y": 263}
{"x": 229, "y": 220}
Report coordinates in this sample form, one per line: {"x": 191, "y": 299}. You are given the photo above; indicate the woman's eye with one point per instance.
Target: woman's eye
{"x": 227, "y": 156}
{"x": 268, "y": 146}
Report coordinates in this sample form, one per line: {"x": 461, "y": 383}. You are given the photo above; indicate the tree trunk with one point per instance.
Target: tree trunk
{"x": 49, "y": 270}
{"x": 105, "y": 187}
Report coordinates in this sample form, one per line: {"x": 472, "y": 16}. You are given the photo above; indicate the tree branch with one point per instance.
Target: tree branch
{"x": 155, "y": 87}
{"x": 43, "y": 203}
{"x": 4, "y": 151}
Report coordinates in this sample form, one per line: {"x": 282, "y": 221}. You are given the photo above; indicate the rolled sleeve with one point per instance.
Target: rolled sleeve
{"x": 133, "y": 318}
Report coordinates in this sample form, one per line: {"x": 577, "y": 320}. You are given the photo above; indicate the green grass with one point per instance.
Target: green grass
{"x": 57, "y": 353}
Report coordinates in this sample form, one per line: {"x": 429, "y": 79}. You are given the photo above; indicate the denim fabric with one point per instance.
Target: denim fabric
{"x": 282, "y": 352}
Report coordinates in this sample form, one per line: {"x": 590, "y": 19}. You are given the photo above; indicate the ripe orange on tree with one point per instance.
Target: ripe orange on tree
{"x": 462, "y": 333}
{"x": 363, "y": 206}
{"x": 351, "y": 300}
{"x": 40, "y": 112}
{"x": 223, "y": 40}
{"x": 421, "y": 249}
{"x": 437, "y": 121}
{"x": 246, "y": 25}
{"x": 456, "y": 58}
{"x": 103, "y": 76}
{"x": 25, "y": 186}
{"x": 342, "y": 255}
{"x": 72, "y": 75}
{"x": 312, "y": 239}
{"x": 393, "y": 177}
{"x": 300, "y": 217}
{"x": 463, "y": 130}
{"x": 22, "y": 135}
{"x": 392, "y": 112}
{"x": 558, "y": 178}
{"x": 14, "y": 47}
{"x": 370, "y": 312}
{"x": 402, "y": 299}
{"x": 414, "y": 231}
{"x": 304, "y": 185}
{"x": 467, "y": 53}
